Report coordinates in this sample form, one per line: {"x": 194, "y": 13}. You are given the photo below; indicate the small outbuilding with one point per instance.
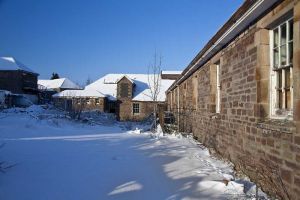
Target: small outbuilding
{"x": 71, "y": 100}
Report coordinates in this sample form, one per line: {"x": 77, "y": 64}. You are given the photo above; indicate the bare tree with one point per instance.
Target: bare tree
{"x": 154, "y": 82}
{"x": 74, "y": 104}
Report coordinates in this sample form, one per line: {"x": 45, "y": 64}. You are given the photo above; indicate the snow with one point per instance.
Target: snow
{"x": 57, "y": 158}
{"x": 79, "y": 93}
{"x": 10, "y": 63}
{"x": 108, "y": 86}
{"x": 171, "y": 72}
{"x": 62, "y": 83}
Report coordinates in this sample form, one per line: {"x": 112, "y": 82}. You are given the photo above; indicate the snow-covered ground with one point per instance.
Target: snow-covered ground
{"x": 56, "y": 158}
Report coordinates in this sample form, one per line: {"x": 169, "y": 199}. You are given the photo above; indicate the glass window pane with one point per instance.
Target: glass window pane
{"x": 287, "y": 78}
{"x": 276, "y": 37}
{"x": 283, "y": 34}
{"x": 276, "y": 57}
{"x": 288, "y": 99}
{"x": 283, "y": 55}
{"x": 280, "y": 99}
{"x": 279, "y": 79}
{"x": 291, "y": 52}
{"x": 291, "y": 27}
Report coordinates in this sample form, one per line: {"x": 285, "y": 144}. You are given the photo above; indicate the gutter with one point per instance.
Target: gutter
{"x": 256, "y": 9}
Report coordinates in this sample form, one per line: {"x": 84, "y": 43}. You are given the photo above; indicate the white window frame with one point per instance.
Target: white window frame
{"x": 275, "y": 111}
{"x": 135, "y": 108}
{"x": 218, "y": 88}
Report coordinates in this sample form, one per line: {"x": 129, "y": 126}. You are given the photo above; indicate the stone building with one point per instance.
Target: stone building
{"x": 240, "y": 95}
{"x": 126, "y": 95}
{"x": 71, "y": 100}
{"x": 130, "y": 95}
{"x": 172, "y": 75}
{"x": 18, "y": 78}
{"x": 47, "y": 88}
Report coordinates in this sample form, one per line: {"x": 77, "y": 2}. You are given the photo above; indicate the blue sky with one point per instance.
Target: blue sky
{"x": 89, "y": 38}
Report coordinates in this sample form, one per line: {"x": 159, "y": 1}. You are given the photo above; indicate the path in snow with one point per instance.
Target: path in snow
{"x": 68, "y": 161}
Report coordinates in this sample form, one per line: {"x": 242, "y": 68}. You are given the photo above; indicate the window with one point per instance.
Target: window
{"x": 218, "y": 91}
{"x": 136, "y": 108}
{"x": 282, "y": 69}
{"x": 195, "y": 91}
{"x": 78, "y": 101}
{"x": 97, "y": 101}
{"x": 88, "y": 101}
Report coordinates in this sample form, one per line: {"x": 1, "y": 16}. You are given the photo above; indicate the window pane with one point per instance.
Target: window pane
{"x": 276, "y": 37}
{"x": 283, "y": 34}
{"x": 276, "y": 57}
{"x": 288, "y": 99}
{"x": 280, "y": 99}
{"x": 291, "y": 29}
{"x": 287, "y": 78}
{"x": 283, "y": 55}
{"x": 291, "y": 52}
{"x": 280, "y": 80}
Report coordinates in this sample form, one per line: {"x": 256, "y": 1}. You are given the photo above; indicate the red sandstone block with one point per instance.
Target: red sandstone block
{"x": 270, "y": 142}
{"x": 286, "y": 175}
{"x": 293, "y": 166}
{"x": 275, "y": 159}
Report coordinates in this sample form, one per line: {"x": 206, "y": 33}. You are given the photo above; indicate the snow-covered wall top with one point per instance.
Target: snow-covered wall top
{"x": 10, "y": 63}
{"x": 63, "y": 83}
{"x": 108, "y": 86}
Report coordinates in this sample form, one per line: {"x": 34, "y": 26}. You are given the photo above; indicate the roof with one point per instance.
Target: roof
{"x": 62, "y": 83}
{"x": 11, "y": 64}
{"x": 171, "y": 72}
{"x": 108, "y": 86}
{"x": 79, "y": 93}
{"x": 246, "y": 14}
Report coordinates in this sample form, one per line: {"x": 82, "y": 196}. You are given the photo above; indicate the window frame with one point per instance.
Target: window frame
{"x": 278, "y": 89}
{"x": 135, "y": 110}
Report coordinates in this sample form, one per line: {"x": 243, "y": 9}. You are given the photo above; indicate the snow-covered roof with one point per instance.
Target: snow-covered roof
{"x": 79, "y": 93}
{"x": 63, "y": 83}
{"x": 10, "y": 64}
{"x": 171, "y": 72}
{"x": 108, "y": 86}
{"x": 125, "y": 76}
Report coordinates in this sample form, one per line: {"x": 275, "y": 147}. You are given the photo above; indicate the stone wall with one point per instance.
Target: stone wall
{"x": 146, "y": 109}
{"x": 18, "y": 82}
{"x": 267, "y": 150}
{"x": 84, "y": 104}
